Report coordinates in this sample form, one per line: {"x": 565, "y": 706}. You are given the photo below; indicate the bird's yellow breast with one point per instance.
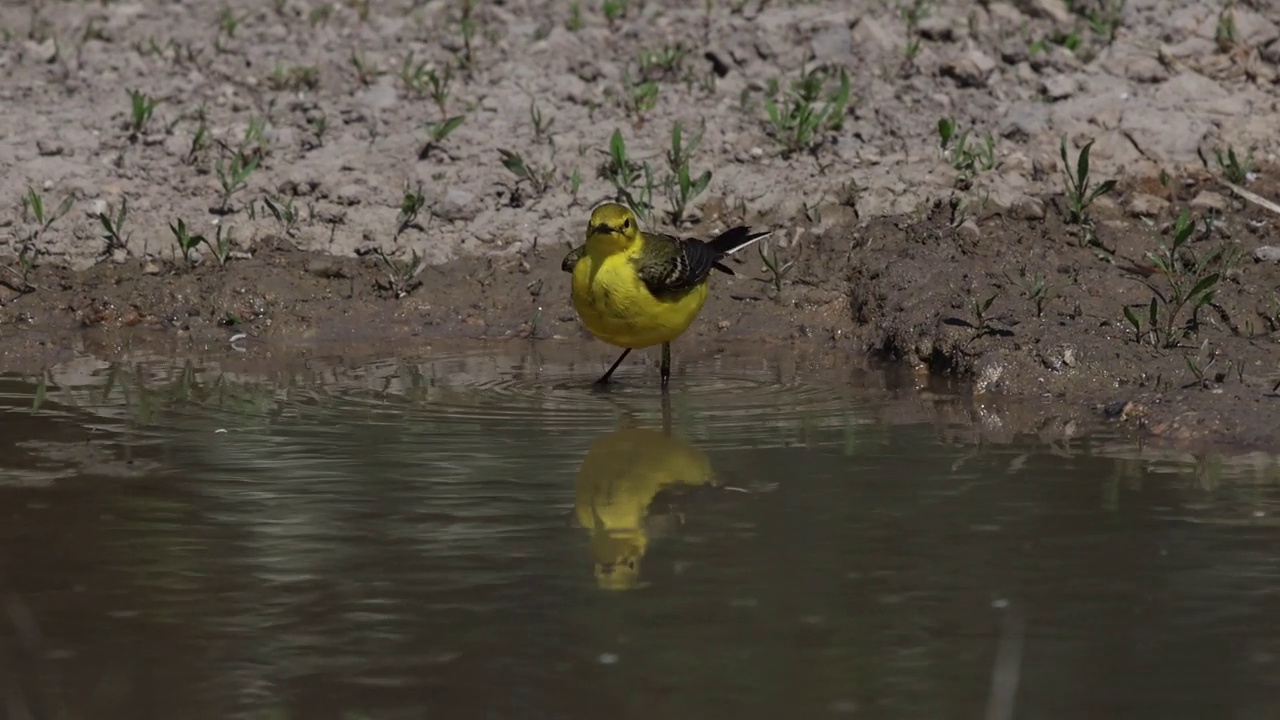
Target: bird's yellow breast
{"x": 617, "y": 307}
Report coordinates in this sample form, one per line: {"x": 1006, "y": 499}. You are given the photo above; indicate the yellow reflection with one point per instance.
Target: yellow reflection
{"x": 620, "y": 476}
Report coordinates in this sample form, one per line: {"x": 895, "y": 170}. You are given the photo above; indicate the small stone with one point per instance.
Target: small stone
{"x": 938, "y": 28}
{"x": 324, "y": 267}
{"x": 872, "y": 37}
{"x": 349, "y": 194}
{"x": 1209, "y": 200}
{"x": 178, "y": 144}
{"x": 49, "y": 148}
{"x": 968, "y": 231}
{"x": 457, "y": 204}
{"x": 95, "y": 208}
{"x": 1146, "y": 205}
{"x": 1055, "y": 10}
{"x": 1267, "y": 253}
{"x": 723, "y": 325}
{"x": 45, "y": 52}
{"x": 1029, "y": 208}
{"x": 1060, "y": 87}
{"x": 1145, "y": 69}
{"x": 150, "y": 268}
{"x": 832, "y": 45}
{"x": 119, "y": 256}
{"x": 970, "y": 69}
{"x": 1252, "y": 29}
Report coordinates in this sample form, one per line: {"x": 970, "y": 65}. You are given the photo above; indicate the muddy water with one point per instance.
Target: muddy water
{"x": 477, "y": 537}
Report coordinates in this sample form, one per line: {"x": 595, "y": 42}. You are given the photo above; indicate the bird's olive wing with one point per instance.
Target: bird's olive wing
{"x": 572, "y": 258}
{"x": 672, "y": 265}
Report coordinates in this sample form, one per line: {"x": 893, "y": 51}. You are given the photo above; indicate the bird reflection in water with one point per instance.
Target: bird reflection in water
{"x": 621, "y": 476}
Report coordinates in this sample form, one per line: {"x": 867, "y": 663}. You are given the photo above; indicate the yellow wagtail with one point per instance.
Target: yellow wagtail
{"x": 635, "y": 289}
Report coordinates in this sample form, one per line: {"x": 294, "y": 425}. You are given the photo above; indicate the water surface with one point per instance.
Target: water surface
{"x": 481, "y": 537}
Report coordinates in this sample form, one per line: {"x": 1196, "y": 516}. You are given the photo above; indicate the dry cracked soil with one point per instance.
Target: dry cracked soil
{"x": 378, "y": 174}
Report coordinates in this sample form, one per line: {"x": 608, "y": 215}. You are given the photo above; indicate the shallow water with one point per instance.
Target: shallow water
{"x": 483, "y": 537}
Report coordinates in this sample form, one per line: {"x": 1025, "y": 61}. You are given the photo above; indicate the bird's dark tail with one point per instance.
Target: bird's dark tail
{"x": 731, "y": 241}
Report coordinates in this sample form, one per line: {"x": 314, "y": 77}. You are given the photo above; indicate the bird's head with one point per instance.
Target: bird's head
{"x": 613, "y": 228}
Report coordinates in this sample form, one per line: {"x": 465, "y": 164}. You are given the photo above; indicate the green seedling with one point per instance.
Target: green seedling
{"x": 319, "y": 16}
{"x": 401, "y": 274}
{"x": 664, "y": 64}
{"x": 33, "y": 209}
{"x": 799, "y": 120}
{"x": 113, "y": 226}
{"x": 632, "y": 182}
{"x": 1189, "y": 282}
{"x": 319, "y": 123}
{"x": 541, "y": 125}
{"x": 982, "y": 320}
{"x": 538, "y": 178}
{"x": 1225, "y": 33}
{"x": 220, "y": 247}
{"x": 641, "y": 99}
{"x": 574, "y": 23}
{"x": 234, "y": 177}
{"x": 410, "y": 207}
{"x": 228, "y": 22}
{"x": 185, "y": 240}
{"x": 969, "y": 158}
{"x": 466, "y": 28}
{"x": 1080, "y": 193}
{"x": 681, "y": 187}
{"x": 293, "y": 78}
{"x": 365, "y": 73}
{"x": 575, "y": 183}
{"x": 614, "y": 10}
{"x": 199, "y": 140}
{"x": 141, "y": 108}
{"x": 1234, "y": 168}
{"x": 777, "y": 270}
{"x": 284, "y": 213}
{"x": 1035, "y": 288}
{"x": 438, "y": 131}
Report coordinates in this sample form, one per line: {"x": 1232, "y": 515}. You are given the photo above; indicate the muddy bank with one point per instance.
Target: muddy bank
{"x": 1030, "y": 313}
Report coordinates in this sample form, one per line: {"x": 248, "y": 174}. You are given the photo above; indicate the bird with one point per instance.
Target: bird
{"x": 635, "y": 289}
{"x": 614, "y": 493}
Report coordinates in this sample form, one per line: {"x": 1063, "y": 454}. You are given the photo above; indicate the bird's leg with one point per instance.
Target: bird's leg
{"x": 604, "y": 379}
{"x": 666, "y": 365}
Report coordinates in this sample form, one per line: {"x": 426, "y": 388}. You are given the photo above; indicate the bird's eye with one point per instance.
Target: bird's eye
{"x": 626, "y": 224}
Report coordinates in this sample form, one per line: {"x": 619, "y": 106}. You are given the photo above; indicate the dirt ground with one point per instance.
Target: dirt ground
{"x": 316, "y": 147}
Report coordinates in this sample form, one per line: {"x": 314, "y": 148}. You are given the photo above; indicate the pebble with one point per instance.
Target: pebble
{"x": 1209, "y": 200}
{"x": 970, "y": 69}
{"x": 968, "y": 231}
{"x": 1146, "y": 205}
{"x": 1055, "y": 10}
{"x": 1267, "y": 253}
{"x": 1060, "y": 87}
{"x": 457, "y": 204}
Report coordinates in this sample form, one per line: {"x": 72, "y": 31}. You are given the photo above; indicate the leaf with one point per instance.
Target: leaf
{"x": 946, "y": 128}
{"x": 1204, "y": 284}
{"x": 1082, "y": 164}
{"x": 1153, "y": 313}
{"x": 1132, "y": 318}
{"x": 702, "y": 182}
{"x": 1102, "y": 189}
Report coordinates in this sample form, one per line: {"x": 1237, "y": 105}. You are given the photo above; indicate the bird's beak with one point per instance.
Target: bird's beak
{"x": 597, "y": 229}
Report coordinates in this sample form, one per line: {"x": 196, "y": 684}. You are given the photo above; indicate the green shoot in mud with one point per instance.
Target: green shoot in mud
{"x": 1080, "y": 193}
{"x": 639, "y": 99}
{"x": 428, "y": 82}
{"x": 614, "y": 10}
{"x": 664, "y": 64}
{"x": 912, "y": 13}
{"x": 141, "y": 107}
{"x": 575, "y": 183}
{"x": 1225, "y": 33}
{"x": 293, "y": 78}
{"x": 980, "y": 309}
{"x": 777, "y": 270}
{"x": 411, "y": 205}
{"x": 284, "y": 212}
{"x": 574, "y": 23}
{"x": 1202, "y": 368}
{"x": 467, "y": 29}
{"x": 185, "y": 240}
{"x": 234, "y": 177}
{"x": 538, "y": 178}
{"x": 1190, "y": 281}
{"x": 1035, "y": 288}
{"x": 319, "y": 123}
{"x": 200, "y": 139}
{"x": 632, "y": 182}
{"x": 113, "y": 227}
{"x": 365, "y": 73}
{"x": 402, "y": 275}
{"x": 35, "y": 215}
{"x": 1234, "y": 168}
{"x": 680, "y": 186}
{"x": 220, "y": 247}
{"x": 801, "y": 118}
{"x": 968, "y": 158}
{"x": 541, "y": 125}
